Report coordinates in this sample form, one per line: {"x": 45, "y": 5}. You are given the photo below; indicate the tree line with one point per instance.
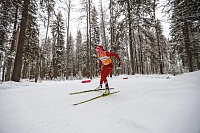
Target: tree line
{"x": 127, "y": 27}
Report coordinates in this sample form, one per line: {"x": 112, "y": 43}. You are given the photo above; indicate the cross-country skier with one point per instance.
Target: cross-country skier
{"x": 105, "y": 58}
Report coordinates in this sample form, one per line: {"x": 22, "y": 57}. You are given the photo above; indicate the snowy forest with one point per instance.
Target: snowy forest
{"x": 37, "y": 41}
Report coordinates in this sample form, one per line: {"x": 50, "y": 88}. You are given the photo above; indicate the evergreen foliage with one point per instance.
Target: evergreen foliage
{"x": 58, "y": 30}
{"x": 185, "y": 32}
{"x": 36, "y": 42}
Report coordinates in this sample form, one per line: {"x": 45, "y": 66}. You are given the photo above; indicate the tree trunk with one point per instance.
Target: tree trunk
{"x": 140, "y": 51}
{"x": 103, "y": 26}
{"x": 4, "y": 66}
{"x": 159, "y": 49}
{"x": 130, "y": 37}
{"x": 90, "y": 41}
{"x": 12, "y": 47}
{"x": 158, "y": 39}
{"x": 3, "y": 28}
{"x": 67, "y": 53}
{"x": 111, "y": 28}
{"x": 198, "y": 63}
{"x": 37, "y": 71}
{"x": 187, "y": 45}
{"x": 25, "y": 70}
{"x": 111, "y": 24}
{"x": 18, "y": 59}
{"x": 87, "y": 47}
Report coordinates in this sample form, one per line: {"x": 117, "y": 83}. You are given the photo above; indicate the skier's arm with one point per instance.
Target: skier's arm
{"x": 113, "y": 54}
{"x": 116, "y": 56}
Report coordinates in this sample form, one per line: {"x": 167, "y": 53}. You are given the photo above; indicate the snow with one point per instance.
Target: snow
{"x": 145, "y": 104}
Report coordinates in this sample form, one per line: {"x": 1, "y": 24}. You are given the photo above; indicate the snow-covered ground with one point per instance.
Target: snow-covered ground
{"x": 145, "y": 104}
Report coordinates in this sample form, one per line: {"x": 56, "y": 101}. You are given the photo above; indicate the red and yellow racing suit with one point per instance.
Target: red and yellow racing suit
{"x": 105, "y": 58}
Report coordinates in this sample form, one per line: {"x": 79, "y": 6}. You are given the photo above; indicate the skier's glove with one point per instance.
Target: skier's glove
{"x": 119, "y": 64}
{"x": 99, "y": 70}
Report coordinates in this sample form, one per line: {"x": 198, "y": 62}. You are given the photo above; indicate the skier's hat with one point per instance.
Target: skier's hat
{"x": 99, "y": 47}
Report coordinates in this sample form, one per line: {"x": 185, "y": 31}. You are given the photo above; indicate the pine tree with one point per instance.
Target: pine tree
{"x": 31, "y": 46}
{"x": 71, "y": 66}
{"x": 68, "y": 9}
{"x": 144, "y": 35}
{"x": 184, "y": 18}
{"x": 7, "y": 15}
{"x": 102, "y": 23}
{"x": 16, "y": 75}
{"x": 58, "y": 46}
{"x": 47, "y": 63}
{"x": 79, "y": 57}
{"x": 95, "y": 40}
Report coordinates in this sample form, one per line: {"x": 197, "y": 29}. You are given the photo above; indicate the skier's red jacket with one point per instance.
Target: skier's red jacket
{"x": 105, "y": 58}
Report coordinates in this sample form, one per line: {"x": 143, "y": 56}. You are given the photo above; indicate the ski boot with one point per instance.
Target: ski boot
{"x": 99, "y": 87}
{"x": 107, "y": 91}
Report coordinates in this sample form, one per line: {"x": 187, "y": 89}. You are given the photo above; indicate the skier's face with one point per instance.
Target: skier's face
{"x": 100, "y": 51}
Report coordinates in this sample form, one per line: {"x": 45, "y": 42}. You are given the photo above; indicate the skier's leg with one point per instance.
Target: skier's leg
{"x": 107, "y": 73}
{"x": 102, "y": 75}
{"x": 108, "y": 70}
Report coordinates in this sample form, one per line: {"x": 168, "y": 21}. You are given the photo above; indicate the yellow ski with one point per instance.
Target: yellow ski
{"x": 95, "y": 98}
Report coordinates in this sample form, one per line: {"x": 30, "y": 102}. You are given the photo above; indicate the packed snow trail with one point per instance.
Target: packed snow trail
{"x": 145, "y": 104}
